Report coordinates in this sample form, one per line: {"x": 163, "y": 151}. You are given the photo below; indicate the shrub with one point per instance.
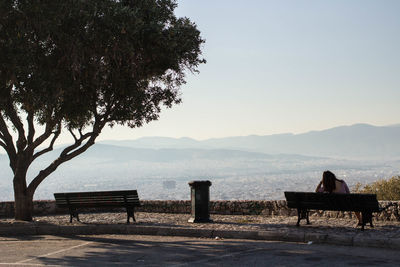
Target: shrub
{"x": 384, "y": 189}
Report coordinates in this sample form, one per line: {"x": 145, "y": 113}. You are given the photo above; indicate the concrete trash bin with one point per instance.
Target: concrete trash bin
{"x": 200, "y": 198}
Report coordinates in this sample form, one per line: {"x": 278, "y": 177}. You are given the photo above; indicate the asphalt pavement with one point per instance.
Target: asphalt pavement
{"x": 332, "y": 231}
{"x": 139, "y": 250}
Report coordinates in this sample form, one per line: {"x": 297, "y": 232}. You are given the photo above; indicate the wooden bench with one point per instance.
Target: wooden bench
{"x": 78, "y": 200}
{"x": 306, "y": 201}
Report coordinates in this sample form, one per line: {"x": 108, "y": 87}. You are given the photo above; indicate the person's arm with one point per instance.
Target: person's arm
{"x": 318, "y": 189}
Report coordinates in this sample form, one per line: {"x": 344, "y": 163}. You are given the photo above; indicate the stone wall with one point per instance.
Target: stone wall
{"x": 41, "y": 207}
{"x": 239, "y": 207}
{"x": 260, "y": 207}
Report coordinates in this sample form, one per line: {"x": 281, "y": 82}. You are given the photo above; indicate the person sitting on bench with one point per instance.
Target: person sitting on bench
{"x": 330, "y": 184}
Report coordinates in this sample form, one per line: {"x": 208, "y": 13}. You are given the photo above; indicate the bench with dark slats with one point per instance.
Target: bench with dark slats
{"x": 306, "y": 201}
{"x": 78, "y": 200}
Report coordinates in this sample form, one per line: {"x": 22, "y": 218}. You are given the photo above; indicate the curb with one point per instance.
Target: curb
{"x": 286, "y": 236}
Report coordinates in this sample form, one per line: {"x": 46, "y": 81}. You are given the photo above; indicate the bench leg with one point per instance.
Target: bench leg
{"x": 302, "y": 214}
{"x": 366, "y": 218}
{"x": 73, "y": 213}
{"x": 130, "y": 213}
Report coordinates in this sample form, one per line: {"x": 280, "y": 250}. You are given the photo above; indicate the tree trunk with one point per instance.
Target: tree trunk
{"x": 23, "y": 204}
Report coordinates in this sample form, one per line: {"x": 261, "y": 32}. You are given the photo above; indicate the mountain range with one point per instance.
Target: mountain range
{"x": 359, "y": 153}
{"x": 359, "y": 141}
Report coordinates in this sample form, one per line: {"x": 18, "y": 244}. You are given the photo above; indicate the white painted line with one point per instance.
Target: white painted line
{"x": 26, "y": 264}
{"x": 55, "y": 252}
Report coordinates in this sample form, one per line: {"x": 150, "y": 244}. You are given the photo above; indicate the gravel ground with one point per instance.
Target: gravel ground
{"x": 319, "y": 225}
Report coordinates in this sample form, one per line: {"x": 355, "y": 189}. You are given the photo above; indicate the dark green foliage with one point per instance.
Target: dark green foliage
{"x": 74, "y": 60}
{"x": 82, "y": 64}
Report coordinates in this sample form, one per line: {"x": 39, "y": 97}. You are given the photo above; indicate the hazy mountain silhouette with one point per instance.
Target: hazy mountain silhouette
{"x": 359, "y": 141}
{"x": 275, "y": 162}
{"x": 119, "y": 154}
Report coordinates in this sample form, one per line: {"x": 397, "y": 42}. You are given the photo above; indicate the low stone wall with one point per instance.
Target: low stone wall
{"x": 234, "y": 207}
{"x": 261, "y": 207}
{"x": 41, "y": 207}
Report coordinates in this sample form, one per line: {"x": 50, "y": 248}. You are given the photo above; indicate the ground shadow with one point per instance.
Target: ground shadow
{"x": 164, "y": 251}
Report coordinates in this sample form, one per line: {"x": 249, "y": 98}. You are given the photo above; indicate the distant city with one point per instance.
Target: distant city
{"x": 162, "y": 171}
{"x": 231, "y": 180}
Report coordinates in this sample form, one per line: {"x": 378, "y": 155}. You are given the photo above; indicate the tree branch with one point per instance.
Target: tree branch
{"x": 16, "y": 121}
{"x": 3, "y": 145}
{"x": 8, "y": 143}
{"x": 77, "y": 143}
{"x": 73, "y": 135}
{"x": 31, "y": 128}
{"x": 5, "y": 134}
{"x": 46, "y": 134}
{"x": 50, "y": 147}
{"x": 67, "y": 154}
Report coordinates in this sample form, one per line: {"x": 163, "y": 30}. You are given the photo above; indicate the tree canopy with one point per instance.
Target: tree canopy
{"x": 79, "y": 65}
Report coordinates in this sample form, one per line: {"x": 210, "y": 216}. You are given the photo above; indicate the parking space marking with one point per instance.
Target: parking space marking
{"x": 26, "y": 264}
{"x": 54, "y": 252}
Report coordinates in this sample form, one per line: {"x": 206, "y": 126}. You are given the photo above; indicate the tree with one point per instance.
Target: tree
{"x": 76, "y": 66}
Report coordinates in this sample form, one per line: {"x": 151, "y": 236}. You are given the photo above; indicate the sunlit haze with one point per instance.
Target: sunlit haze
{"x": 286, "y": 66}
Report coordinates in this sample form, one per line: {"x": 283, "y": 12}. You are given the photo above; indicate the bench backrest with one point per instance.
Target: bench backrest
{"x": 126, "y": 198}
{"x": 338, "y": 202}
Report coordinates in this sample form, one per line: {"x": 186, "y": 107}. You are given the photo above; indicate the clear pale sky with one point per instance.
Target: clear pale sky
{"x": 286, "y": 66}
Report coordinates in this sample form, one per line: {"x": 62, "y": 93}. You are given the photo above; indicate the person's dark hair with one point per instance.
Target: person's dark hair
{"x": 328, "y": 181}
